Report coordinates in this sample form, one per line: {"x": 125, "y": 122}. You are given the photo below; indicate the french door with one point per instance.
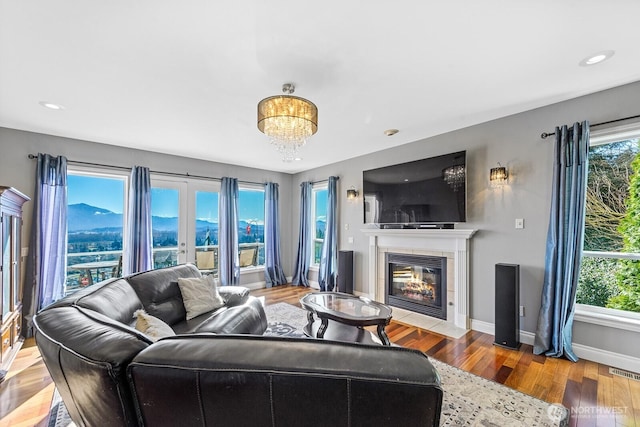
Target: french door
{"x": 185, "y": 222}
{"x": 169, "y": 208}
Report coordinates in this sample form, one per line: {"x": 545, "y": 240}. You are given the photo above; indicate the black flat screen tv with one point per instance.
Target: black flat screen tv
{"x": 427, "y": 191}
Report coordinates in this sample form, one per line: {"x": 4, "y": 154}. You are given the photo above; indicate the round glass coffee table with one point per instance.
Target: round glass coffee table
{"x": 342, "y": 317}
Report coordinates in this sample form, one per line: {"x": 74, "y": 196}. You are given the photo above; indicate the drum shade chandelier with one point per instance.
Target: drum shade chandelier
{"x": 288, "y": 121}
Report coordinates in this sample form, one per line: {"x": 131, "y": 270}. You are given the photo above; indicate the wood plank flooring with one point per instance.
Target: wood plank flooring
{"x": 597, "y": 397}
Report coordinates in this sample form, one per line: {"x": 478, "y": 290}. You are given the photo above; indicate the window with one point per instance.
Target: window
{"x": 184, "y": 221}
{"x": 319, "y": 209}
{"x": 611, "y": 256}
{"x": 167, "y": 224}
{"x": 206, "y": 230}
{"x": 95, "y": 225}
{"x": 251, "y": 226}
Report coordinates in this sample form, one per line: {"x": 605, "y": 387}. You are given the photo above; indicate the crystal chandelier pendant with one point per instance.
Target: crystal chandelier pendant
{"x": 288, "y": 121}
{"x": 287, "y": 149}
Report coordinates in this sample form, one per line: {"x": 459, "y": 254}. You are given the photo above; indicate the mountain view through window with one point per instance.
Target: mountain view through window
{"x": 96, "y": 228}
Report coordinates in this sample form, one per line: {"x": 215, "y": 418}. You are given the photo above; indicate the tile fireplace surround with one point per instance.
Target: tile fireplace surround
{"x": 452, "y": 244}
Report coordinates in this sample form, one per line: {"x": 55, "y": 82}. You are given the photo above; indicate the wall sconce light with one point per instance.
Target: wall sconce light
{"x": 352, "y": 193}
{"x": 498, "y": 176}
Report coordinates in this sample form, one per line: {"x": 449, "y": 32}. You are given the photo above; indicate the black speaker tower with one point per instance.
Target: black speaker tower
{"x": 507, "y": 306}
{"x": 345, "y": 272}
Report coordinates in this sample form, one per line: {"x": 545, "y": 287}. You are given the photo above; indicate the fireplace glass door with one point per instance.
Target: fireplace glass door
{"x": 417, "y": 283}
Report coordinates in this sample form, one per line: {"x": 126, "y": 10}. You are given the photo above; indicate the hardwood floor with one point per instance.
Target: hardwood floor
{"x": 26, "y": 392}
{"x": 597, "y": 397}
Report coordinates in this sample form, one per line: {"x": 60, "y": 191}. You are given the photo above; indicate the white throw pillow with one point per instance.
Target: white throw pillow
{"x": 152, "y": 326}
{"x": 199, "y": 295}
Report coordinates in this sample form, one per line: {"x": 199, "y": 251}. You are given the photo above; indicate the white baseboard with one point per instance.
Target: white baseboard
{"x": 593, "y": 354}
{"x": 363, "y": 294}
{"x": 255, "y": 285}
{"x": 484, "y": 327}
{"x": 527, "y": 337}
{"x": 606, "y": 357}
{"x": 261, "y": 285}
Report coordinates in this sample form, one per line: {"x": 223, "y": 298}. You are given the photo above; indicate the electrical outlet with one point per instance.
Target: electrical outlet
{"x": 522, "y": 311}
{"x": 24, "y": 252}
{"x": 346, "y": 226}
{"x": 350, "y": 240}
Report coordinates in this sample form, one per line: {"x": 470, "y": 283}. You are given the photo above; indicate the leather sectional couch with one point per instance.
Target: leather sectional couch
{"x": 219, "y": 369}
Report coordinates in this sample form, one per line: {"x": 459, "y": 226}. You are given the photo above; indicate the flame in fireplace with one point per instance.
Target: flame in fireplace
{"x": 418, "y": 288}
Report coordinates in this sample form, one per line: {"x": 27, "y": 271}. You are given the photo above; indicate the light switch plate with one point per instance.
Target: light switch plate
{"x": 519, "y": 222}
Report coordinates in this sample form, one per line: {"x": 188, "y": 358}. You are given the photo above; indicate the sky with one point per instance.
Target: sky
{"x": 321, "y": 204}
{"x": 108, "y": 193}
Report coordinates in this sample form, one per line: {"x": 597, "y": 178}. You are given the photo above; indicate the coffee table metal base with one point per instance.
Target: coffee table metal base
{"x": 336, "y": 331}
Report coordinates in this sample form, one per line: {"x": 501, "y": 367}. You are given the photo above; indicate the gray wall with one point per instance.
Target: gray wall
{"x": 515, "y": 142}
{"x": 16, "y": 170}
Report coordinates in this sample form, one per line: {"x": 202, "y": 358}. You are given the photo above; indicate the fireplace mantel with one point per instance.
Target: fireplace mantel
{"x": 455, "y": 233}
{"x": 451, "y": 241}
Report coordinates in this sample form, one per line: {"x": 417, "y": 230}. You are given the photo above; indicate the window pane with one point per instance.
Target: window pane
{"x": 597, "y": 282}
{"x": 605, "y": 279}
{"x": 251, "y": 227}
{"x": 607, "y": 194}
{"x": 319, "y": 222}
{"x": 94, "y": 229}
{"x": 206, "y": 231}
{"x": 164, "y": 222}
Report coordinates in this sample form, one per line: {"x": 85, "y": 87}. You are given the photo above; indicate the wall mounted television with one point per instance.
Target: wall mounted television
{"x": 417, "y": 194}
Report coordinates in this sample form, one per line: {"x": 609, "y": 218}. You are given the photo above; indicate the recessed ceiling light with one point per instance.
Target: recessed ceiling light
{"x": 596, "y": 58}
{"x": 297, "y": 159}
{"x": 51, "y": 105}
{"x": 391, "y": 132}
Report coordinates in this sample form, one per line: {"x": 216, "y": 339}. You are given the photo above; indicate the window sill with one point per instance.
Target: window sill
{"x": 608, "y": 317}
{"x": 252, "y": 269}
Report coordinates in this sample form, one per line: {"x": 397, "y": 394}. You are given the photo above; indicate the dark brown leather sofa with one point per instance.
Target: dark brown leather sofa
{"x": 219, "y": 370}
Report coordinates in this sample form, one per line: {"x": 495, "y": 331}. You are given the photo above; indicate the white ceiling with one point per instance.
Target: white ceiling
{"x": 184, "y": 77}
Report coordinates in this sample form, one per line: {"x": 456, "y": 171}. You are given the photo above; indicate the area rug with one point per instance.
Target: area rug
{"x": 469, "y": 400}
{"x": 285, "y": 320}
{"x": 58, "y": 415}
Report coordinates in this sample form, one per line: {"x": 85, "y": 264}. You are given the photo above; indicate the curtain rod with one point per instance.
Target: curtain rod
{"x": 322, "y": 181}
{"x": 545, "y": 135}
{"x": 185, "y": 175}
